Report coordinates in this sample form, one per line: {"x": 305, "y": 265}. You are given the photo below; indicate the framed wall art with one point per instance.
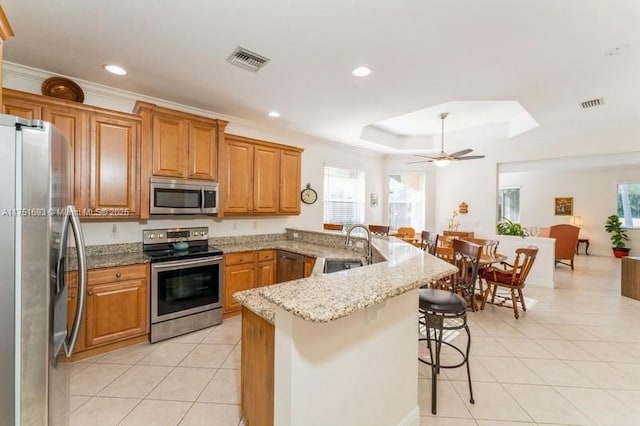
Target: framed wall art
{"x": 564, "y": 206}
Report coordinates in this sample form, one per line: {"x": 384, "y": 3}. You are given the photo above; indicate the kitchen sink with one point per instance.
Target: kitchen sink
{"x": 335, "y": 265}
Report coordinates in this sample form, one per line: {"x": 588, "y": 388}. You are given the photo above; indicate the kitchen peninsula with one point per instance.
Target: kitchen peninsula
{"x": 337, "y": 348}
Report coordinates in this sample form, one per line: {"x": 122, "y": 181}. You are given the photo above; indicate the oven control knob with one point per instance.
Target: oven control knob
{"x": 160, "y": 235}
{"x": 203, "y": 233}
{"x": 152, "y": 236}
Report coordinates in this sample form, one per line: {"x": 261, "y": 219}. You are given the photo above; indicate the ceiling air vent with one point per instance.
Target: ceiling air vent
{"x": 592, "y": 103}
{"x": 247, "y": 59}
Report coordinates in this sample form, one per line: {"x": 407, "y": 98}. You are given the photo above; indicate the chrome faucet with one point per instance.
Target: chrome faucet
{"x": 369, "y": 258}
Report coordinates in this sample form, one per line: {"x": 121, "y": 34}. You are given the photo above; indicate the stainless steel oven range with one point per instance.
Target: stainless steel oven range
{"x": 186, "y": 281}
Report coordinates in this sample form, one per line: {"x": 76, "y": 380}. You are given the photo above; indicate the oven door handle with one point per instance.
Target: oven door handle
{"x": 163, "y": 266}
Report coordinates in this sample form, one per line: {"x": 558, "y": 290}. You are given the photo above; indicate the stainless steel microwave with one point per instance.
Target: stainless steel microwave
{"x": 173, "y": 196}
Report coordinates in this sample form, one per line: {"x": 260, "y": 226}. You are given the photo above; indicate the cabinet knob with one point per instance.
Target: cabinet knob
{"x": 90, "y": 292}
{"x": 118, "y": 274}
{"x": 71, "y": 297}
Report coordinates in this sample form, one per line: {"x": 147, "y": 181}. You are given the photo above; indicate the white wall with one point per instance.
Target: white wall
{"x": 317, "y": 153}
{"x": 594, "y": 199}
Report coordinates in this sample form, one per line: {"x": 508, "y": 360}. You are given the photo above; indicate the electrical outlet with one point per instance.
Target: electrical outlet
{"x": 235, "y": 226}
{"x": 114, "y": 230}
{"x": 255, "y": 224}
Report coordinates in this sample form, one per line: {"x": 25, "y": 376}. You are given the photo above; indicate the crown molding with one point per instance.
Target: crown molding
{"x": 35, "y": 75}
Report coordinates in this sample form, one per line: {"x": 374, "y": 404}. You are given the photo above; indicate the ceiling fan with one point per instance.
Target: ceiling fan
{"x": 443, "y": 159}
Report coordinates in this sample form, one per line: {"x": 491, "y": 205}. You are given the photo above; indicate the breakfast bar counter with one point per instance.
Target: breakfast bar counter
{"x": 353, "y": 332}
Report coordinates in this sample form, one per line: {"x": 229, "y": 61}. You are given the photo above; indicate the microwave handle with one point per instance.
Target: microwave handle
{"x": 202, "y": 199}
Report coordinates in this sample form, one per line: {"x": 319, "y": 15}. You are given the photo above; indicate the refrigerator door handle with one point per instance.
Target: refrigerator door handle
{"x": 70, "y": 342}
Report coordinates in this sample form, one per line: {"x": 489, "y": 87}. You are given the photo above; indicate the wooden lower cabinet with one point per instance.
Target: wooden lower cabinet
{"x": 266, "y": 268}
{"x": 309, "y": 263}
{"x": 257, "y": 369}
{"x": 239, "y": 274}
{"x": 116, "y": 308}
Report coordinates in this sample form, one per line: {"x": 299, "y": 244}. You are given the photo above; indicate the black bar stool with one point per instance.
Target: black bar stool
{"x": 443, "y": 311}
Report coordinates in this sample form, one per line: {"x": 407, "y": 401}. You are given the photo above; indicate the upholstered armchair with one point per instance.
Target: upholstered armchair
{"x": 566, "y": 240}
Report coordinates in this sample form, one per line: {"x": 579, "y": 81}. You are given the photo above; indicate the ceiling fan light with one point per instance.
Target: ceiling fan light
{"x": 442, "y": 163}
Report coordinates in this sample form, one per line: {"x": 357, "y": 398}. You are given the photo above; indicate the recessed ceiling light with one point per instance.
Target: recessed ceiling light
{"x": 115, "y": 69}
{"x": 273, "y": 114}
{"x": 361, "y": 71}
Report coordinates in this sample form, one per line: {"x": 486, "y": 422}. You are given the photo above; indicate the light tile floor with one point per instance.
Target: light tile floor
{"x": 572, "y": 359}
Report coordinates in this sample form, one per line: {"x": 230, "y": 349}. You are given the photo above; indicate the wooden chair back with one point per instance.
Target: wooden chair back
{"x": 406, "y": 232}
{"x": 429, "y": 242}
{"x": 379, "y": 229}
{"x": 333, "y": 226}
{"x": 489, "y": 247}
{"x": 466, "y": 256}
{"x": 566, "y": 241}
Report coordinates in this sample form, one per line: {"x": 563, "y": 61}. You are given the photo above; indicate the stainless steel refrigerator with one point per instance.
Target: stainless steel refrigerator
{"x": 36, "y": 221}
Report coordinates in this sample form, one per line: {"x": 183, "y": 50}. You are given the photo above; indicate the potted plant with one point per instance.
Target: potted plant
{"x": 507, "y": 227}
{"x": 618, "y": 236}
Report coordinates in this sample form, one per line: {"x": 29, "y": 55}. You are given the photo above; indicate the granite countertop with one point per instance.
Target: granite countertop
{"x": 328, "y": 297}
{"x": 104, "y": 256}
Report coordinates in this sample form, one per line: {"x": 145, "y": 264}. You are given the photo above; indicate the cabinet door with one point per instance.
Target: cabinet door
{"x": 309, "y": 263}
{"x": 266, "y": 273}
{"x": 203, "y": 161}
{"x": 266, "y": 168}
{"x": 21, "y": 108}
{"x": 117, "y": 311}
{"x": 237, "y": 278}
{"x": 169, "y": 146}
{"x": 72, "y": 124}
{"x": 72, "y": 305}
{"x": 114, "y": 165}
{"x": 238, "y": 183}
{"x": 290, "y": 182}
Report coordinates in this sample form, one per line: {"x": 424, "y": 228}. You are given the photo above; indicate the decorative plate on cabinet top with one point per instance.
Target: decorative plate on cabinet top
{"x": 62, "y": 88}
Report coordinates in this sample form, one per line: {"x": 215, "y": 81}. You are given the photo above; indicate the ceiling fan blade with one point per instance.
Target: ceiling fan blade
{"x": 426, "y": 156}
{"x": 471, "y": 157}
{"x": 460, "y": 153}
{"x": 416, "y": 162}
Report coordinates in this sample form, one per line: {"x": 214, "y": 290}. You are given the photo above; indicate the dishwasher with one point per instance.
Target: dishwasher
{"x": 289, "y": 266}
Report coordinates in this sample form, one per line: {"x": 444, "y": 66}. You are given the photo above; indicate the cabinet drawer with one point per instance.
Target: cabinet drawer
{"x": 239, "y": 258}
{"x": 266, "y": 255}
{"x": 118, "y": 273}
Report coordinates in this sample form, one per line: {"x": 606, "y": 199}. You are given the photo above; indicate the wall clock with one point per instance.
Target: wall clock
{"x": 309, "y": 195}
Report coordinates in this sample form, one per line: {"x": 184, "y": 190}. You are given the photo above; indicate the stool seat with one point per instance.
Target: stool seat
{"x": 442, "y": 301}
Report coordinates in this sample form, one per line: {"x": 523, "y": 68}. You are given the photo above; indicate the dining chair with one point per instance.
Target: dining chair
{"x": 466, "y": 257}
{"x": 429, "y": 242}
{"x": 511, "y": 276}
{"x": 442, "y": 312}
{"x": 379, "y": 229}
{"x": 406, "y": 233}
{"x": 333, "y": 226}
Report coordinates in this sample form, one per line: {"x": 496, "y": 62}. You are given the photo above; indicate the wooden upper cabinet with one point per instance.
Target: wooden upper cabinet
{"x": 177, "y": 145}
{"x": 72, "y": 123}
{"x": 169, "y": 146}
{"x": 203, "y": 151}
{"x": 259, "y": 177}
{"x": 238, "y": 182}
{"x": 114, "y": 164}
{"x": 104, "y": 157}
{"x": 290, "y": 182}
{"x": 21, "y": 108}
{"x": 266, "y": 165}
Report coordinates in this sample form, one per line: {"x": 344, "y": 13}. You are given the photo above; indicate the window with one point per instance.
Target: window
{"x": 509, "y": 204}
{"x": 344, "y": 195}
{"x": 629, "y": 204}
{"x": 406, "y": 201}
